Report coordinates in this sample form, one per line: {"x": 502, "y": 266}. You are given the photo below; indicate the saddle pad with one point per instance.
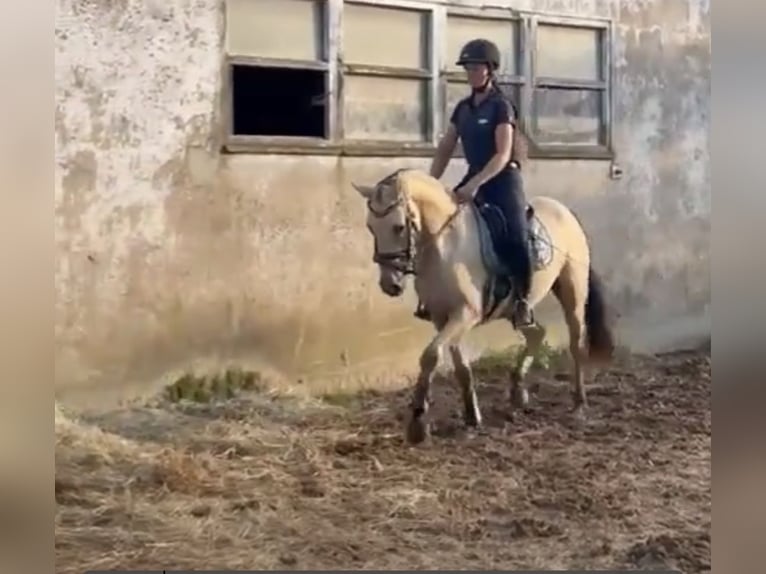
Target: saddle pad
{"x": 539, "y": 244}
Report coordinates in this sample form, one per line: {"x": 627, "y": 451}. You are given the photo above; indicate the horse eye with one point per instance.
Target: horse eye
{"x": 398, "y": 229}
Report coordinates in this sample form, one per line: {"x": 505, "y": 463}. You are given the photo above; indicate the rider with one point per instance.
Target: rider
{"x": 485, "y": 122}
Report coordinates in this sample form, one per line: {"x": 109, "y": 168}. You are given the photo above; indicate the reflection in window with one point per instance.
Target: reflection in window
{"x": 566, "y": 117}
{"x": 568, "y": 52}
{"x": 570, "y": 87}
{"x": 386, "y": 83}
{"x": 392, "y": 109}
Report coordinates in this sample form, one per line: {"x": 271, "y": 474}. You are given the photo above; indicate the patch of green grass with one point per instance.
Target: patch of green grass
{"x": 548, "y": 358}
{"x": 345, "y": 399}
{"x": 213, "y": 387}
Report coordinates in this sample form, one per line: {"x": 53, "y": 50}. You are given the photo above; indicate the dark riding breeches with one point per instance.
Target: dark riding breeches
{"x": 506, "y": 191}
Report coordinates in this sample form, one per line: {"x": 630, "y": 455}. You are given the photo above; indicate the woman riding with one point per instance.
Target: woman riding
{"x": 485, "y": 122}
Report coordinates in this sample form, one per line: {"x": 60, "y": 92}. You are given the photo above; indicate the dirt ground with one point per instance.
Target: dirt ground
{"x": 274, "y": 481}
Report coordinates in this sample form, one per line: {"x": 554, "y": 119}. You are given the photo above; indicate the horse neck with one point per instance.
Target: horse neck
{"x": 436, "y": 210}
{"x": 438, "y": 214}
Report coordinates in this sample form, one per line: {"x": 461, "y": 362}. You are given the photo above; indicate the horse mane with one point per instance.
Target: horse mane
{"x": 402, "y": 178}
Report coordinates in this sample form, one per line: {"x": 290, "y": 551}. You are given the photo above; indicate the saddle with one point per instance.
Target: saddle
{"x": 493, "y": 228}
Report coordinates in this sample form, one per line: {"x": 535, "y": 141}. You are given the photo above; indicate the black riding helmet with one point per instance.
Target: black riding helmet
{"x": 480, "y": 51}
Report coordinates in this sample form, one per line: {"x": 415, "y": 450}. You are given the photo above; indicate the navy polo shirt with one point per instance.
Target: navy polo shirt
{"x": 475, "y": 124}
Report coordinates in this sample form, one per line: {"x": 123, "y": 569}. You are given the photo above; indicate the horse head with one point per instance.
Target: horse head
{"x": 394, "y": 222}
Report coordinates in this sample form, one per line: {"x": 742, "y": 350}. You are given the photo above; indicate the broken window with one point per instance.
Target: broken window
{"x": 278, "y": 70}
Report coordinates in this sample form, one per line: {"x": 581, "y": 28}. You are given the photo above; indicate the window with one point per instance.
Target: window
{"x": 378, "y": 77}
{"x": 278, "y": 72}
{"x": 570, "y": 105}
{"x": 467, "y": 24}
{"x": 386, "y": 76}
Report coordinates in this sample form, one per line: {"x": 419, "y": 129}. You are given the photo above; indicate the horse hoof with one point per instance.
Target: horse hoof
{"x": 472, "y": 418}
{"x": 578, "y": 413}
{"x": 472, "y": 424}
{"x": 519, "y": 398}
{"x": 475, "y": 432}
{"x": 417, "y": 430}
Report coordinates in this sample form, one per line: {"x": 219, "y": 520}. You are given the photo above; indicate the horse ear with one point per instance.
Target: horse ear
{"x": 365, "y": 191}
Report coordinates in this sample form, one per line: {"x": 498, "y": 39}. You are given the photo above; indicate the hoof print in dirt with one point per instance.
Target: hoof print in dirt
{"x": 685, "y": 553}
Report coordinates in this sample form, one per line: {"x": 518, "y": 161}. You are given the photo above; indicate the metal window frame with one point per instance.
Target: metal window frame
{"x": 263, "y": 144}
{"x": 437, "y": 77}
{"x": 422, "y": 147}
{"x": 447, "y": 77}
{"x": 335, "y": 70}
{"x": 604, "y": 86}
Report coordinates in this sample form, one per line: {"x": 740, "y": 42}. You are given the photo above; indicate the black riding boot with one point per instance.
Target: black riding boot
{"x": 522, "y": 278}
{"x": 509, "y": 197}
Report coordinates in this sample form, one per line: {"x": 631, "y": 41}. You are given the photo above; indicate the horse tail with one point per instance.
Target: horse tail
{"x": 599, "y": 332}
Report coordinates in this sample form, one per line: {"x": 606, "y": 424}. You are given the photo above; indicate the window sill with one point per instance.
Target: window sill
{"x": 560, "y": 152}
{"x": 572, "y": 152}
{"x": 316, "y": 146}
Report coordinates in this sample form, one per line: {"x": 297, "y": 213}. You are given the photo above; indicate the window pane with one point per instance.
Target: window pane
{"x": 289, "y": 29}
{"x": 568, "y": 52}
{"x": 462, "y": 29}
{"x": 456, "y": 91}
{"x": 562, "y": 116}
{"x": 378, "y": 36}
{"x": 293, "y": 106}
{"x": 385, "y": 108}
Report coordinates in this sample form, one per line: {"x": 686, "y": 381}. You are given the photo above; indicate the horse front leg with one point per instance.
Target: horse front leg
{"x": 458, "y": 324}
{"x": 472, "y": 413}
{"x": 534, "y": 335}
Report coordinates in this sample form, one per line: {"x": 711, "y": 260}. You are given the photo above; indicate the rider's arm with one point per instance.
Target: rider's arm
{"x": 447, "y": 144}
{"x": 444, "y": 151}
{"x": 505, "y": 120}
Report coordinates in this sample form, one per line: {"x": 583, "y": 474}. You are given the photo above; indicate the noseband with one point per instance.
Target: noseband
{"x": 402, "y": 261}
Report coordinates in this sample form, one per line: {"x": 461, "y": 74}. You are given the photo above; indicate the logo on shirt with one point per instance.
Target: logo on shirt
{"x": 482, "y": 121}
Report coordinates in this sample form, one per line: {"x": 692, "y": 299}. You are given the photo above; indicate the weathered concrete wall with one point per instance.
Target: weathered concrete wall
{"x": 168, "y": 251}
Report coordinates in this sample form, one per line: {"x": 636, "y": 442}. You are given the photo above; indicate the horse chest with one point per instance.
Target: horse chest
{"x": 440, "y": 288}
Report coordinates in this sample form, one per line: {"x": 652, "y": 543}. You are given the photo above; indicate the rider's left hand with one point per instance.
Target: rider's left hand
{"x": 465, "y": 193}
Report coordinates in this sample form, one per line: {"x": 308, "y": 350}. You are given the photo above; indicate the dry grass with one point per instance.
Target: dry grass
{"x": 265, "y": 481}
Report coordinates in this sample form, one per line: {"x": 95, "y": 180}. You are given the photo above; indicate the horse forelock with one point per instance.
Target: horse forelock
{"x": 380, "y": 197}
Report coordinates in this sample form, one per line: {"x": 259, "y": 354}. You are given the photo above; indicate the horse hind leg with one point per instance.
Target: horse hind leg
{"x": 571, "y": 290}
{"x": 472, "y": 414}
{"x": 534, "y": 335}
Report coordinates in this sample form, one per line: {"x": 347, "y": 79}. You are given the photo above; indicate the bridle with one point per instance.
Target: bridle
{"x": 403, "y": 260}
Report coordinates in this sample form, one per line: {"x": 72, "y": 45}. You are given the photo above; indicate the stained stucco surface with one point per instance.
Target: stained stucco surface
{"x": 168, "y": 251}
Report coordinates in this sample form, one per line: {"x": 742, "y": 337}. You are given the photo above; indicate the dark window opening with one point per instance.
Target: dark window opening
{"x": 278, "y": 102}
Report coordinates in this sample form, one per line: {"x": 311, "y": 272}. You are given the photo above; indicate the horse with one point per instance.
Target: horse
{"x": 419, "y": 229}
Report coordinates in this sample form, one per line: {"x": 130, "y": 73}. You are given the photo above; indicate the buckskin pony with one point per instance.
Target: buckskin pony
{"x": 418, "y": 229}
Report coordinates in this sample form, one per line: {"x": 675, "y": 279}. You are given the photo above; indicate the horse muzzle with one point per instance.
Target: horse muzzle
{"x": 392, "y": 283}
